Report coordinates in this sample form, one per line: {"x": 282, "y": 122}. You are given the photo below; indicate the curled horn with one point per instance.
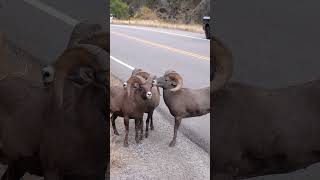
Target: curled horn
{"x": 141, "y": 73}
{"x": 101, "y": 55}
{"x": 132, "y": 80}
{"x": 223, "y": 63}
{"x": 135, "y": 71}
{"x": 83, "y": 30}
{"x": 100, "y": 39}
{"x": 62, "y": 71}
{"x": 87, "y": 33}
{"x": 176, "y": 77}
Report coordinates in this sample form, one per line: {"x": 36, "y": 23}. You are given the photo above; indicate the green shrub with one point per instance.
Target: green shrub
{"x": 119, "y": 9}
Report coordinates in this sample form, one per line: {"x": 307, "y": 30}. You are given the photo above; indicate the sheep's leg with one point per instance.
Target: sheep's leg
{"x": 126, "y": 124}
{"x": 147, "y": 125}
{"x": 113, "y": 120}
{"x": 151, "y": 117}
{"x": 176, "y": 127}
{"x": 141, "y": 128}
{"x": 137, "y": 127}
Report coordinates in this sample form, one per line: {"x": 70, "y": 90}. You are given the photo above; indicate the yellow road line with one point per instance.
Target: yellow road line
{"x": 163, "y": 46}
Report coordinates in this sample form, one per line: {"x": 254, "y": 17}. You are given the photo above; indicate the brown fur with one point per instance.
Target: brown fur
{"x": 261, "y": 131}
{"x": 27, "y": 143}
{"x": 23, "y": 141}
{"x": 151, "y": 104}
{"x": 131, "y": 105}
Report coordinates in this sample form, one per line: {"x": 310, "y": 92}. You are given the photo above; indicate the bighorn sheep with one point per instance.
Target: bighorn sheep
{"x": 73, "y": 104}
{"x": 260, "y": 131}
{"x": 129, "y": 103}
{"x": 182, "y": 102}
{"x": 150, "y": 103}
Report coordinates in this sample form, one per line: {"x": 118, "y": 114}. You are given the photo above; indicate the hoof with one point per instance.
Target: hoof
{"x": 152, "y": 128}
{"x": 172, "y": 144}
{"x": 116, "y": 133}
{"x": 146, "y": 135}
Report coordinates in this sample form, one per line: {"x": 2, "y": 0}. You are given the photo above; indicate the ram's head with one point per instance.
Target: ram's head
{"x": 141, "y": 86}
{"x": 83, "y": 65}
{"x": 170, "y": 80}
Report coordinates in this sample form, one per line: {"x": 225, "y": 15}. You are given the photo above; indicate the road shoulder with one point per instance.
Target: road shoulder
{"x": 153, "y": 158}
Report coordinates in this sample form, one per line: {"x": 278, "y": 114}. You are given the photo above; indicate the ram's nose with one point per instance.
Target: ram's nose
{"x": 149, "y": 95}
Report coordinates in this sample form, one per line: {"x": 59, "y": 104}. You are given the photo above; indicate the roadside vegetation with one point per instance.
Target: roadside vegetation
{"x": 119, "y": 8}
{"x": 153, "y": 14}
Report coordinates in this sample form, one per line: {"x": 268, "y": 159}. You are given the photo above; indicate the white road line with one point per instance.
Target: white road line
{"x": 158, "y": 31}
{"x": 122, "y": 63}
{"x": 53, "y": 12}
{"x": 65, "y": 18}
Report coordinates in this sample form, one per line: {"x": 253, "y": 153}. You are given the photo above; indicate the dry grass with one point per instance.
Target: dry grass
{"x": 161, "y": 24}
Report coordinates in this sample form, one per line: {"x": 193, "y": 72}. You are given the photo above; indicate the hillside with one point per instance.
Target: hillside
{"x": 180, "y": 11}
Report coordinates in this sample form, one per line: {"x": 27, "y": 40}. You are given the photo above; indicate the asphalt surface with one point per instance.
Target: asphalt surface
{"x": 275, "y": 44}
{"x": 43, "y": 27}
{"x": 157, "y": 50}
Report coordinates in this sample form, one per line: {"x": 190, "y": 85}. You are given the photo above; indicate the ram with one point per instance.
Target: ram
{"x": 152, "y": 103}
{"x": 71, "y": 107}
{"x": 259, "y": 131}
{"x": 182, "y": 102}
{"x": 129, "y": 102}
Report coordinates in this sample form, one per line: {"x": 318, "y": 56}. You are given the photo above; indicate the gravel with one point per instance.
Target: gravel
{"x": 153, "y": 158}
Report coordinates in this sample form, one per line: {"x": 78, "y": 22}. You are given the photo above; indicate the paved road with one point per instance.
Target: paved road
{"x": 275, "y": 44}
{"x": 157, "y": 50}
{"x": 43, "y": 27}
